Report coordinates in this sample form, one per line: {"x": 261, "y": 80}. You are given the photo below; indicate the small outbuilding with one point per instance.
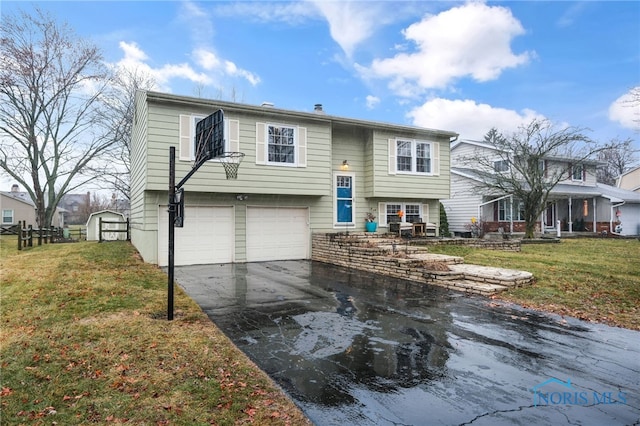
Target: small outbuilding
{"x": 114, "y": 226}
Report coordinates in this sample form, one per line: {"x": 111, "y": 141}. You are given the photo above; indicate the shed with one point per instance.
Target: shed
{"x": 93, "y": 226}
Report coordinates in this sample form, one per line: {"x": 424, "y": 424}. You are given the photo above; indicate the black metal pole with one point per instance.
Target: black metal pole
{"x": 172, "y": 219}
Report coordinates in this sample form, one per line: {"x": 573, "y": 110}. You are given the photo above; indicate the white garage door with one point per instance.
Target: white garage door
{"x": 208, "y": 236}
{"x": 277, "y": 233}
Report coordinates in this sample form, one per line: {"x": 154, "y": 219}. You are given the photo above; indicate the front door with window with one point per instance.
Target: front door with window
{"x": 550, "y": 215}
{"x": 344, "y": 199}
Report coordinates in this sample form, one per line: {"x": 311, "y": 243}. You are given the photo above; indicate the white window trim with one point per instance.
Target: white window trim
{"x": 344, "y": 225}
{"x": 262, "y": 145}
{"x": 382, "y": 211}
{"x": 501, "y": 160}
{"x": 573, "y": 174}
{"x": 187, "y": 132}
{"x": 434, "y": 156}
{"x": 12, "y": 216}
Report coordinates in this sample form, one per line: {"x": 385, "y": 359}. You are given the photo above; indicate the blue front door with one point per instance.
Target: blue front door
{"x": 344, "y": 199}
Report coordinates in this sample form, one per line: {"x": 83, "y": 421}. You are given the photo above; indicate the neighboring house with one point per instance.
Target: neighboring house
{"x": 76, "y": 207}
{"x": 304, "y": 172}
{"x": 630, "y": 180}
{"x": 16, "y": 206}
{"x": 578, "y": 202}
{"x": 93, "y": 226}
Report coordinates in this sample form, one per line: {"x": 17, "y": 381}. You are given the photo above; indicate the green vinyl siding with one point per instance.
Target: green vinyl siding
{"x": 409, "y": 186}
{"x": 309, "y": 180}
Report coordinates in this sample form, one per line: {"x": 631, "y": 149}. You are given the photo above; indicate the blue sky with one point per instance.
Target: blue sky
{"x": 458, "y": 66}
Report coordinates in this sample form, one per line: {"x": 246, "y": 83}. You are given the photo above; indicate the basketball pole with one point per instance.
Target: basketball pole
{"x": 173, "y": 187}
{"x": 172, "y": 229}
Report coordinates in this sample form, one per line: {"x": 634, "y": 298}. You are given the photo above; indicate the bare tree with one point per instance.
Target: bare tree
{"x": 50, "y": 126}
{"x": 522, "y": 155}
{"x": 113, "y": 169}
{"x": 618, "y": 157}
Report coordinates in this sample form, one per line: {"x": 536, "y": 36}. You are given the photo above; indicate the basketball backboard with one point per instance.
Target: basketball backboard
{"x": 210, "y": 136}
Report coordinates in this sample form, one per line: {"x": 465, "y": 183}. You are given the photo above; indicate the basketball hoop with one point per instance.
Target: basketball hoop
{"x": 231, "y": 161}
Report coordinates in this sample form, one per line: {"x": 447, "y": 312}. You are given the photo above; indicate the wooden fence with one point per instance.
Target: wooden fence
{"x": 104, "y": 228}
{"x": 26, "y": 235}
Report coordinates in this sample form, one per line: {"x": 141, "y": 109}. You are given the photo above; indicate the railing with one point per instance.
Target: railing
{"x": 102, "y": 229}
{"x": 26, "y": 235}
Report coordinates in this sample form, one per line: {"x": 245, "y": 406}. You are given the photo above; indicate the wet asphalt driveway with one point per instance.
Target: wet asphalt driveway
{"x": 358, "y": 349}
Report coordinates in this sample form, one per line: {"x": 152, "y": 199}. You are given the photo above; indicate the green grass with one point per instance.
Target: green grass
{"x": 593, "y": 279}
{"x": 84, "y": 339}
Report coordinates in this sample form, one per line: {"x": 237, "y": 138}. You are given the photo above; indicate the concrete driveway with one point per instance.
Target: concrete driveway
{"x": 353, "y": 348}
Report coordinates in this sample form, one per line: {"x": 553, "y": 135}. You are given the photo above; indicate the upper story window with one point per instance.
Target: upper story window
{"x": 413, "y": 156}
{"x": 577, "y": 172}
{"x": 188, "y": 140}
{"x": 501, "y": 166}
{"x": 7, "y": 216}
{"x": 282, "y": 144}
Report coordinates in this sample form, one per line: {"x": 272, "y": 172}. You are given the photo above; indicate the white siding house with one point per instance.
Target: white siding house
{"x": 577, "y": 202}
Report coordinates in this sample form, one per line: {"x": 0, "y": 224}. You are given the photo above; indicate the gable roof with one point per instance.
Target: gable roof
{"x": 546, "y": 157}
{"x": 614, "y": 194}
{"x": 19, "y": 196}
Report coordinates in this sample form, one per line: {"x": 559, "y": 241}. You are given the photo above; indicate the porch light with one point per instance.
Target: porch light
{"x": 345, "y": 165}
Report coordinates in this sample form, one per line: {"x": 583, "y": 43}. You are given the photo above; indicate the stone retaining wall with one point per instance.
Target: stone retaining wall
{"x": 356, "y": 252}
{"x": 505, "y": 245}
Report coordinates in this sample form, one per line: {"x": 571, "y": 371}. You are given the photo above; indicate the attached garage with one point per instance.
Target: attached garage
{"x": 277, "y": 233}
{"x": 208, "y": 236}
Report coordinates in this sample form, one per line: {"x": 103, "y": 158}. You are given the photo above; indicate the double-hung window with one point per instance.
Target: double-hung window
{"x": 7, "y": 216}
{"x": 413, "y": 156}
{"x": 188, "y": 143}
{"x": 501, "y": 166}
{"x": 577, "y": 171}
{"x": 402, "y": 212}
{"x": 281, "y": 143}
{"x": 504, "y": 210}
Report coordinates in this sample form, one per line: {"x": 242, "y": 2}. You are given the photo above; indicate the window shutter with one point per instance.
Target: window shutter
{"x": 302, "y": 147}
{"x": 425, "y": 213}
{"x": 234, "y": 136}
{"x": 382, "y": 214}
{"x": 261, "y": 143}
{"x": 435, "y": 159}
{"x": 186, "y": 139}
{"x": 584, "y": 173}
{"x": 392, "y": 157}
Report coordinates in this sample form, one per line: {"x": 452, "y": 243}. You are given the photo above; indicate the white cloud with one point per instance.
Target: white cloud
{"x": 135, "y": 60}
{"x": 626, "y": 109}
{"x": 471, "y": 40}
{"x": 372, "y": 101}
{"x": 468, "y": 118}
{"x": 350, "y": 22}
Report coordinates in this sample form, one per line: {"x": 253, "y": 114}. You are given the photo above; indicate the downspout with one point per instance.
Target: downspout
{"x": 570, "y": 219}
{"x": 595, "y": 222}
{"x": 611, "y": 218}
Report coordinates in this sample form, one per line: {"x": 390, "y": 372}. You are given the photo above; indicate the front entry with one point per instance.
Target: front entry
{"x": 550, "y": 215}
{"x": 344, "y": 192}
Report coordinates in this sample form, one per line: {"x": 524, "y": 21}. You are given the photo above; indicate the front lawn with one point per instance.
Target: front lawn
{"x": 595, "y": 279}
{"x": 85, "y": 339}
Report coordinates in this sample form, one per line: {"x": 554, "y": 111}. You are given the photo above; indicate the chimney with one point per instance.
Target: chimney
{"x": 317, "y": 108}
{"x": 15, "y": 188}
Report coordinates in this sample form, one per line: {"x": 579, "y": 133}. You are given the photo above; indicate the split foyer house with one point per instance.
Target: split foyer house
{"x": 577, "y": 201}
{"x": 303, "y": 172}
